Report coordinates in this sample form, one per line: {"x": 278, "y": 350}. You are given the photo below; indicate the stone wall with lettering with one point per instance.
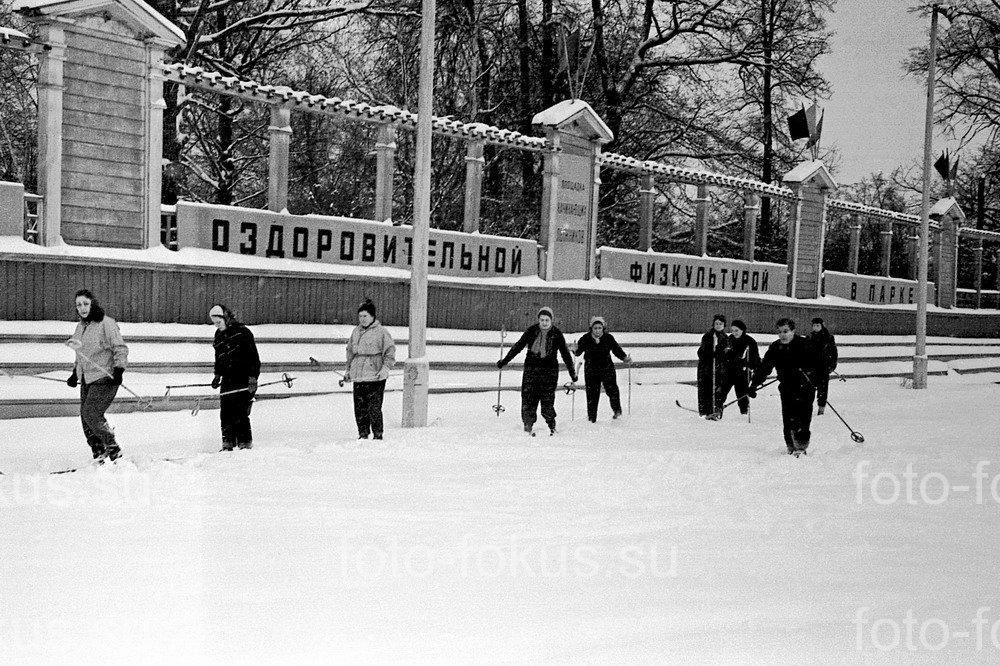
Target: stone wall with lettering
{"x": 872, "y": 289}
{"x": 340, "y": 240}
{"x": 684, "y": 270}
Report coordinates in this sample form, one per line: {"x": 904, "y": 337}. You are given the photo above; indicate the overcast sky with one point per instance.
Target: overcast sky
{"x": 876, "y": 114}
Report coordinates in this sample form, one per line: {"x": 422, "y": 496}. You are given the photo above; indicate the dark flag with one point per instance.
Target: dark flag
{"x": 942, "y": 166}
{"x": 798, "y": 125}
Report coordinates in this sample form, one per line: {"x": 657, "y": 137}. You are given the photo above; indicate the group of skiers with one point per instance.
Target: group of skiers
{"x": 726, "y": 361}
{"x": 803, "y": 364}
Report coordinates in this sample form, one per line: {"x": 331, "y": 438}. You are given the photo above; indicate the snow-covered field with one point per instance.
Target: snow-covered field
{"x": 659, "y": 538}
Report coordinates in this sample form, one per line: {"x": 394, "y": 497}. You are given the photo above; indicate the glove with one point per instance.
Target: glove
{"x": 574, "y": 377}
{"x": 72, "y": 381}
{"x": 499, "y": 365}
{"x": 252, "y": 386}
{"x": 116, "y": 376}
{"x": 216, "y": 381}
{"x": 628, "y": 359}
{"x": 752, "y": 393}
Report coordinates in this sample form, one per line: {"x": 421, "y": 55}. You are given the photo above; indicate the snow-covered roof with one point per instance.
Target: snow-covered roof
{"x": 134, "y": 13}
{"x": 945, "y": 207}
{"x": 811, "y": 170}
{"x": 575, "y": 112}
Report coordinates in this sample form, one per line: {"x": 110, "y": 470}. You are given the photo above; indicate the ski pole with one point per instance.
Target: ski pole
{"x": 855, "y": 435}
{"x": 630, "y": 388}
{"x": 318, "y": 364}
{"x": 735, "y": 400}
{"x": 75, "y": 345}
{"x": 166, "y": 396}
{"x": 48, "y": 379}
{"x": 498, "y": 407}
{"x": 839, "y": 376}
{"x": 285, "y": 379}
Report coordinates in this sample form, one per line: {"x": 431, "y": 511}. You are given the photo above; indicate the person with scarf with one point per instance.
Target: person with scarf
{"x": 713, "y": 353}
{"x": 540, "y": 378}
{"x": 237, "y": 367}
{"x": 596, "y": 348}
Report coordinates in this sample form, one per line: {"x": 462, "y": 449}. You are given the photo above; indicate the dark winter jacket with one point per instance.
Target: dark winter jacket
{"x": 718, "y": 351}
{"x": 546, "y": 359}
{"x": 745, "y": 354}
{"x": 791, "y": 361}
{"x": 597, "y": 351}
{"x": 826, "y": 347}
{"x": 236, "y": 358}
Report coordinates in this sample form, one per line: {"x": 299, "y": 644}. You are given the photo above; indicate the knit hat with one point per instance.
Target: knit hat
{"x": 545, "y": 310}
{"x": 368, "y": 307}
{"x": 719, "y": 317}
{"x": 738, "y": 323}
{"x": 817, "y": 320}
{"x": 597, "y": 320}
{"x": 217, "y": 311}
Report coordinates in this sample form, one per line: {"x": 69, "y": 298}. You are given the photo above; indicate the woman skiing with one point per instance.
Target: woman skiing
{"x": 541, "y": 369}
{"x": 237, "y": 367}
{"x": 596, "y": 348}
{"x": 740, "y": 365}
{"x": 712, "y": 354}
{"x": 371, "y": 353}
{"x": 101, "y": 358}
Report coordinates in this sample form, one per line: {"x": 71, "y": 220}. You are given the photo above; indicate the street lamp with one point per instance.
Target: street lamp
{"x": 416, "y": 367}
{"x": 920, "y": 350}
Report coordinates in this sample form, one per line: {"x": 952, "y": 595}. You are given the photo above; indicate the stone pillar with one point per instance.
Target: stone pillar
{"x": 385, "y": 168}
{"x": 949, "y": 215}
{"x": 50, "y": 120}
{"x": 978, "y": 277}
{"x": 811, "y": 183}
{"x": 280, "y": 139}
{"x": 996, "y": 261}
{"x": 934, "y": 256}
{"x": 885, "y": 263}
{"x": 647, "y": 203}
{"x": 854, "y": 245}
{"x": 912, "y": 250}
{"x": 474, "y": 164}
{"x": 570, "y": 189}
{"x": 11, "y": 209}
{"x": 700, "y": 235}
{"x": 751, "y": 213}
{"x": 153, "y": 168}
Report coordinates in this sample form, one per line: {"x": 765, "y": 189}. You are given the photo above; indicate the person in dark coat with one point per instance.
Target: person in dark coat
{"x": 740, "y": 365}
{"x": 712, "y": 355}
{"x": 237, "y": 367}
{"x": 371, "y": 353}
{"x": 797, "y": 363}
{"x": 826, "y": 347}
{"x": 101, "y": 358}
{"x": 541, "y": 369}
{"x": 596, "y": 348}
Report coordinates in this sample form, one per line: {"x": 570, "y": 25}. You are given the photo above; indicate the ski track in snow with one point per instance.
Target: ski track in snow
{"x": 657, "y": 538}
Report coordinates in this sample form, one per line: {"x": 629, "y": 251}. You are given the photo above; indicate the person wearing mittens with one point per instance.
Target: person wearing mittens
{"x": 596, "y": 348}
{"x": 371, "y": 354}
{"x": 541, "y": 369}
{"x": 101, "y": 358}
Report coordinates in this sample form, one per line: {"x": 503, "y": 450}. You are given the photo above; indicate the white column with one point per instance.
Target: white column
{"x": 50, "y": 120}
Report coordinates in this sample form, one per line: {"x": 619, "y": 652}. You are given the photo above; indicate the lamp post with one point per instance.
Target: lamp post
{"x": 920, "y": 350}
{"x": 416, "y": 367}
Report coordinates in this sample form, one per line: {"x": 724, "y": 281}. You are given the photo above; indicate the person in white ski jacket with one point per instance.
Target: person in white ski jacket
{"x": 101, "y": 358}
{"x": 371, "y": 354}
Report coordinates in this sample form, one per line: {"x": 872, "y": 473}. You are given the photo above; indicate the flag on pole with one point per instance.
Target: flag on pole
{"x": 943, "y": 165}
{"x": 798, "y": 125}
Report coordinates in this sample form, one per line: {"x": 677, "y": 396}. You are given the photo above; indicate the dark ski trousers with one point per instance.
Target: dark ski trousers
{"x": 538, "y": 385}
{"x": 234, "y": 415}
{"x": 368, "y": 407}
{"x": 596, "y": 378}
{"x": 710, "y": 381}
{"x": 796, "y": 416}
{"x": 822, "y": 389}
{"x": 737, "y": 380}
{"x": 95, "y": 398}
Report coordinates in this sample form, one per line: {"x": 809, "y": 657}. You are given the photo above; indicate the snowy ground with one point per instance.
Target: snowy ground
{"x": 657, "y": 538}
